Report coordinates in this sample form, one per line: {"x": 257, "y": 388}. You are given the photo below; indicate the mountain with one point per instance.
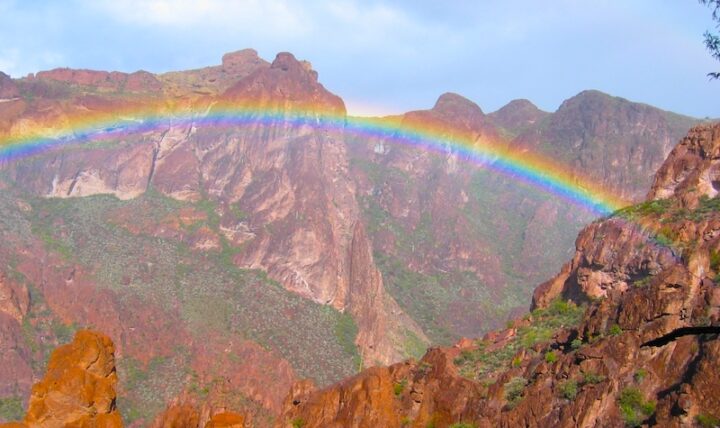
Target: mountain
{"x": 226, "y": 261}
{"x": 611, "y": 139}
{"x": 636, "y": 341}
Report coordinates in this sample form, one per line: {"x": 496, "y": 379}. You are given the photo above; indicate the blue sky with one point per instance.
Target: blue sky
{"x": 393, "y": 56}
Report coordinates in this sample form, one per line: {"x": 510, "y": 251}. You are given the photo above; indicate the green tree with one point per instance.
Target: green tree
{"x": 712, "y": 40}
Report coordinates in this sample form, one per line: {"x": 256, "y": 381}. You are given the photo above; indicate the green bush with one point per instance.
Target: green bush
{"x": 576, "y": 344}
{"x": 615, "y": 330}
{"x": 707, "y": 421}
{"x": 513, "y": 390}
{"x": 550, "y": 357}
{"x": 633, "y": 407}
{"x": 462, "y": 425}
{"x": 298, "y": 423}
{"x": 715, "y": 260}
{"x": 569, "y": 389}
{"x": 593, "y": 378}
{"x": 399, "y": 387}
{"x": 640, "y": 375}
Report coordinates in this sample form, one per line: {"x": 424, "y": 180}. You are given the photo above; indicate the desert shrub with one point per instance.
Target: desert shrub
{"x": 640, "y": 375}
{"x": 550, "y": 357}
{"x": 593, "y": 378}
{"x": 576, "y": 344}
{"x": 707, "y": 421}
{"x": 633, "y": 407}
{"x": 399, "y": 387}
{"x": 514, "y": 390}
{"x": 569, "y": 389}
{"x": 615, "y": 330}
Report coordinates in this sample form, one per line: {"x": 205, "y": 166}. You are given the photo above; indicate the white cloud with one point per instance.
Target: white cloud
{"x": 259, "y": 16}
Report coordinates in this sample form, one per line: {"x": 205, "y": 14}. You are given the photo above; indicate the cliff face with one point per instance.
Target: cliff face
{"x": 611, "y": 139}
{"x": 640, "y": 349}
{"x": 229, "y": 261}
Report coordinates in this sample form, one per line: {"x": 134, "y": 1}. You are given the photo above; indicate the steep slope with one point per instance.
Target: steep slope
{"x": 221, "y": 248}
{"x": 640, "y": 350}
{"x": 611, "y": 139}
{"x": 225, "y": 262}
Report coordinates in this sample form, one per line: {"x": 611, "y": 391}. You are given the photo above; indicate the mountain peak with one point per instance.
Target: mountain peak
{"x": 451, "y": 102}
{"x": 517, "y": 115}
{"x": 8, "y": 89}
{"x": 286, "y": 61}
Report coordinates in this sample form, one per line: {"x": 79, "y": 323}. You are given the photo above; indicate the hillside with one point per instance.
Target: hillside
{"x": 227, "y": 260}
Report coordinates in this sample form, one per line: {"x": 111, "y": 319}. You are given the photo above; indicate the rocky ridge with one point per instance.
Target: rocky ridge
{"x": 634, "y": 344}
{"x": 203, "y": 214}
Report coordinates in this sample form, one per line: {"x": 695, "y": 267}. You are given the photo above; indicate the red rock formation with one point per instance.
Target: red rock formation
{"x": 692, "y": 170}
{"x": 79, "y": 386}
{"x": 642, "y": 353}
{"x": 8, "y": 88}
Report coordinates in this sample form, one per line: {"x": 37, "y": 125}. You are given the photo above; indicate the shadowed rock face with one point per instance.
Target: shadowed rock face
{"x": 641, "y": 353}
{"x": 518, "y": 116}
{"x": 610, "y": 139}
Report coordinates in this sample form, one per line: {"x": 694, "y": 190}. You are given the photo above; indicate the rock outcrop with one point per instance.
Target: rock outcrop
{"x": 640, "y": 350}
{"x": 79, "y": 386}
{"x": 692, "y": 170}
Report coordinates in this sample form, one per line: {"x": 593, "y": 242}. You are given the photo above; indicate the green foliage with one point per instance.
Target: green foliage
{"x": 593, "y": 378}
{"x": 655, "y": 207}
{"x": 712, "y": 41}
{"x": 639, "y": 375}
{"x": 399, "y": 387}
{"x": 11, "y": 409}
{"x": 298, "y": 422}
{"x": 513, "y": 390}
{"x": 345, "y": 333}
{"x": 715, "y": 260}
{"x": 550, "y": 357}
{"x": 569, "y": 389}
{"x": 707, "y": 421}
{"x": 633, "y": 407}
{"x": 615, "y": 330}
{"x": 516, "y": 362}
{"x": 463, "y": 425}
{"x": 576, "y": 344}
{"x": 545, "y": 322}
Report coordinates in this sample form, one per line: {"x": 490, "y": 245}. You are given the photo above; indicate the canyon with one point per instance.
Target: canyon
{"x": 228, "y": 263}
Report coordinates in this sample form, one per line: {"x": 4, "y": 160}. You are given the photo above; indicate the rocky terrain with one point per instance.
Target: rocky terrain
{"x": 227, "y": 263}
{"x": 625, "y": 335}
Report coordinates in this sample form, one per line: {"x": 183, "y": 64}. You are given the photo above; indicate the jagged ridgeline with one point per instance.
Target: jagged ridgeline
{"x": 233, "y": 231}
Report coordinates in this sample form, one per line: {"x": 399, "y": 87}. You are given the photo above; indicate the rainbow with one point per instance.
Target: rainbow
{"x": 538, "y": 171}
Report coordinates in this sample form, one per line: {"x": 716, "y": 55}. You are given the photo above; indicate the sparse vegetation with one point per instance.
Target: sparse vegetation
{"x": 593, "y": 378}
{"x": 514, "y": 390}
{"x": 615, "y": 330}
{"x": 633, "y": 407}
{"x": 298, "y": 423}
{"x": 399, "y": 387}
{"x": 576, "y": 344}
{"x": 706, "y": 420}
{"x": 462, "y": 425}
{"x": 569, "y": 389}
{"x": 639, "y": 375}
{"x": 479, "y": 363}
{"x": 550, "y": 357}
{"x": 11, "y": 409}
